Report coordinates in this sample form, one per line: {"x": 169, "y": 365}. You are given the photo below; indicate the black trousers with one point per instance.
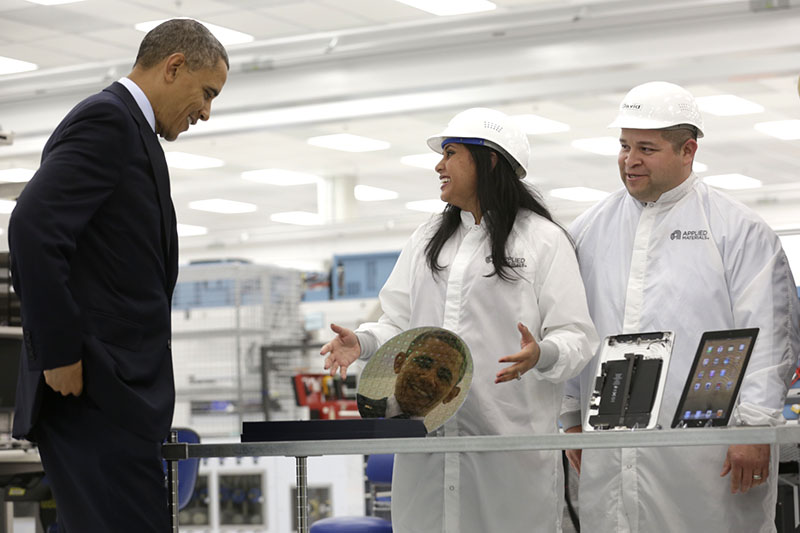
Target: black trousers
{"x": 105, "y": 479}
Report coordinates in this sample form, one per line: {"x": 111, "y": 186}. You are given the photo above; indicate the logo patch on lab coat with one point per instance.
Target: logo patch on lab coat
{"x": 689, "y": 235}
{"x": 513, "y": 262}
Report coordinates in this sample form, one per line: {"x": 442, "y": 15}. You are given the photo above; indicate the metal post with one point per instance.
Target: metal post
{"x": 172, "y": 486}
{"x": 302, "y": 495}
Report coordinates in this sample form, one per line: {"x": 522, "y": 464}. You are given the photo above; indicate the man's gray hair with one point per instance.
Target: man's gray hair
{"x": 187, "y": 36}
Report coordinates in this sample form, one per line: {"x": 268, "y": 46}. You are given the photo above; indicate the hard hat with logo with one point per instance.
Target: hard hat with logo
{"x": 487, "y": 127}
{"x": 658, "y": 105}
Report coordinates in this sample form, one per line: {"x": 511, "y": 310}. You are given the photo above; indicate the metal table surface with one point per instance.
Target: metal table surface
{"x": 301, "y": 450}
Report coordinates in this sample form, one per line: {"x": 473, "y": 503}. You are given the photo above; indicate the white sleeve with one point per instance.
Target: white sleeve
{"x": 763, "y": 295}
{"x": 562, "y": 306}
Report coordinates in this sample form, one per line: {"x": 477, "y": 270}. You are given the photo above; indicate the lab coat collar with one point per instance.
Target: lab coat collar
{"x": 468, "y": 220}
{"x": 672, "y": 196}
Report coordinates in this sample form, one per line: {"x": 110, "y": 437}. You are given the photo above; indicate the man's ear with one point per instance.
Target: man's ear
{"x": 493, "y": 155}
{"x": 689, "y": 149}
{"x": 172, "y": 64}
{"x": 452, "y": 394}
{"x": 399, "y": 359}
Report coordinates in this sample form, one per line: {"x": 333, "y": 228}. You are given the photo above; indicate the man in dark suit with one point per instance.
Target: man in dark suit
{"x": 94, "y": 259}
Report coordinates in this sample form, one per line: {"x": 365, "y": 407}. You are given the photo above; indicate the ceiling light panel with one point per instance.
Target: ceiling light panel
{"x": 281, "y": 177}
{"x": 188, "y": 230}
{"x": 219, "y": 205}
{"x": 16, "y": 175}
{"x": 226, "y": 36}
{"x": 598, "y": 145}
{"x": 6, "y": 206}
{"x": 426, "y": 206}
{"x": 445, "y": 8}
{"x": 579, "y": 194}
{"x": 426, "y": 161}
{"x": 53, "y": 2}
{"x": 186, "y": 161}
{"x": 347, "y": 142}
{"x": 365, "y": 193}
{"x": 536, "y": 125}
{"x": 785, "y": 130}
{"x": 727, "y": 105}
{"x": 732, "y": 181}
{"x": 9, "y": 65}
{"x": 299, "y": 218}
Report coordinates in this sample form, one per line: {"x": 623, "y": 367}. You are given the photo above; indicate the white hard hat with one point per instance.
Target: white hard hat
{"x": 491, "y": 128}
{"x": 657, "y": 105}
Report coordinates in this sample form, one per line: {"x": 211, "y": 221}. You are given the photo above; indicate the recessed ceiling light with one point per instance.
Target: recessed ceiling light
{"x": 348, "y": 143}
{"x": 53, "y": 2}
{"x": 450, "y": 7}
{"x": 218, "y": 205}
{"x": 6, "y": 206}
{"x": 279, "y": 176}
{"x": 300, "y": 218}
{"x": 579, "y": 194}
{"x": 191, "y": 161}
{"x": 226, "y": 36}
{"x": 786, "y": 130}
{"x": 13, "y": 66}
{"x": 187, "y": 230}
{"x": 16, "y": 175}
{"x": 426, "y": 161}
{"x": 598, "y": 145}
{"x": 726, "y": 105}
{"x": 697, "y": 166}
{"x": 427, "y": 206}
{"x": 732, "y": 181}
{"x": 365, "y": 193}
{"x": 536, "y": 125}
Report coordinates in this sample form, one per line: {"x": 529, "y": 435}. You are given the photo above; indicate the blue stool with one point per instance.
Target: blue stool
{"x": 352, "y": 524}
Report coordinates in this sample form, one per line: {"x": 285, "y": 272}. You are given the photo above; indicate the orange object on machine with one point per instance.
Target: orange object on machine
{"x": 327, "y": 397}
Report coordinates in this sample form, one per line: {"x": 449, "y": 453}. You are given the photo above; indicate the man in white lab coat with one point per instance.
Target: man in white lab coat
{"x": 668, "y": 252}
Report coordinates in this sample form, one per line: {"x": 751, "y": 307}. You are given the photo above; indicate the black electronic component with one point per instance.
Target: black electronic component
{"x": 627, "y": 389}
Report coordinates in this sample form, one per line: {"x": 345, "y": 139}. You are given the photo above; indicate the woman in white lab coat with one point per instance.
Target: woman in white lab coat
{"x": 495, "y": 269}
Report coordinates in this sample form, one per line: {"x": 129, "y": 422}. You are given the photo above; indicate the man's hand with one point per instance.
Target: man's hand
{"x": 66, "y": 379}
{"x": 574, "y": 456}
{"x": 342, "y": 350}
{"x": 523, "y": 360}
{"x": 748, "y": 465}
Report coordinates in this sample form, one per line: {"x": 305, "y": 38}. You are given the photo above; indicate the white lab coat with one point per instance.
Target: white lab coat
{"x": 695, "y": 260}
{"x": 498, "y": 491}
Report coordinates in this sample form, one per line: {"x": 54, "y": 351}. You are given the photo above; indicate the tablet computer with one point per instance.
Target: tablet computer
{"x": 715, "y": 377}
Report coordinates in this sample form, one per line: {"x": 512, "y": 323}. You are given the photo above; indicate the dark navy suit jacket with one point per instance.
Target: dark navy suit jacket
{"x": 94, "y": 259}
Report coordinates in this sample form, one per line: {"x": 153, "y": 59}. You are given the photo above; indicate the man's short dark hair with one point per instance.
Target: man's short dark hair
{"x": 678, "y": 135}
{"x": 448, "y": 338}
{"x": 187, "y": 36}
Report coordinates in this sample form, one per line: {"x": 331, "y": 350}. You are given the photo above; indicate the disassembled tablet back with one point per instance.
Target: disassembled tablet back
{"x": 629, "y": 381}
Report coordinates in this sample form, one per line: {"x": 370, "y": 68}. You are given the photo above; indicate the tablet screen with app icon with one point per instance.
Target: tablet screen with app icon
{"x": 716, "y": 375}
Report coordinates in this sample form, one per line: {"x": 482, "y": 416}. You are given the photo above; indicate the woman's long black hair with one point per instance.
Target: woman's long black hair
{"x": 500, "y": 195}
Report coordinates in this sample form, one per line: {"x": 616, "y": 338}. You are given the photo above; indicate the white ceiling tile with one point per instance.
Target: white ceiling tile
{"x": 24, "y": 32}
{"x": 85, "y": 48}
{"x": 120, "y": 13}
{"x": 256, "y": 23}
{"x": 43, "y": 57}
{"x": 379, "y": 11}
{"x": 62, "y": 18}
{"x": 315, "y": 16}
